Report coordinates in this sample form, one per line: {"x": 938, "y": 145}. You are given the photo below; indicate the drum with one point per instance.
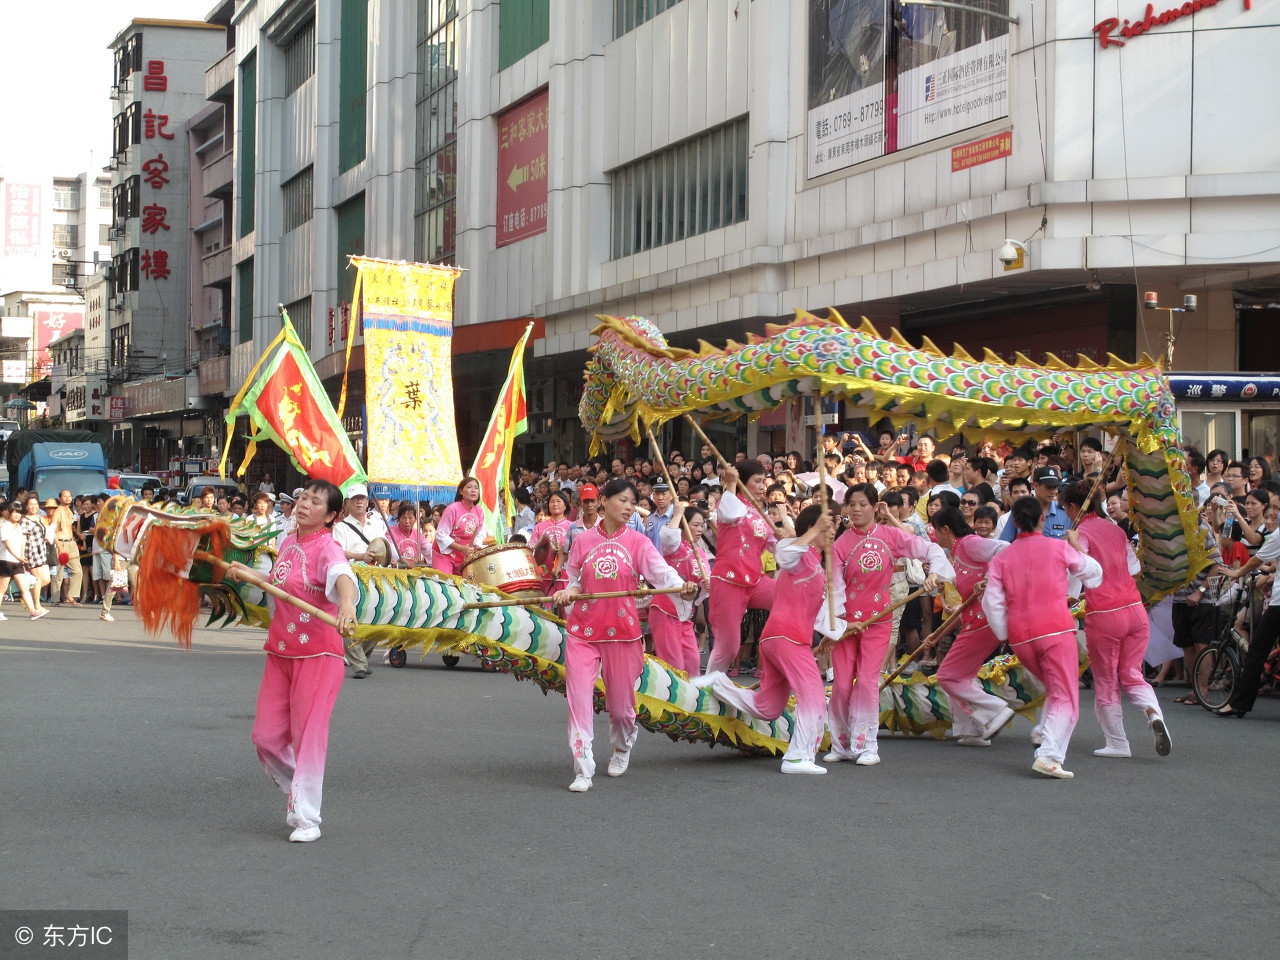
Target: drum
{"x": 507, "y": 566}
{"x": 380, "y": 548}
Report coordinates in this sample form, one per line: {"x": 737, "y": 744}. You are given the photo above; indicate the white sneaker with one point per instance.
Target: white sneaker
{"x": 580, "y": 784}
{"x": 1110, "y": 751}
{"x": 868, "y": 758}
{"x": 801, "y": 766}
{"x": 990, "y": 730}
{"x": 618, "y": 763}
{"x": 830, "y": 675}
{"x": 1051, "y": 768}
{"x": 973, "y": 742}
{"x": 1164, "y": 742}
{"x": 304, "y": 835}
{"x": 836, "y": 757}
{"x": 707, "y": 679}
{"x": 3, "y": 617}
{"x": 106, "y": 616}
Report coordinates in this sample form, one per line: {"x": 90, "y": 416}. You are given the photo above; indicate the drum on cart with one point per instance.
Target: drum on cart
{"x": 508, "y": 566}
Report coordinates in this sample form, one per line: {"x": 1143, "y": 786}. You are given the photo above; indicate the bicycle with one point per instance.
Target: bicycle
{"x": 1216, "y": 670}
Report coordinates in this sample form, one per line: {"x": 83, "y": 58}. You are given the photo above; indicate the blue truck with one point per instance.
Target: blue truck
{"x": 50, "y": 461}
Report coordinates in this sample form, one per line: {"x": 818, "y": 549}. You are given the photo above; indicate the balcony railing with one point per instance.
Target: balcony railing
{"x": 216, "y": 269}
{"x": 218, "y": 175}
{"x": 220, "y": 77}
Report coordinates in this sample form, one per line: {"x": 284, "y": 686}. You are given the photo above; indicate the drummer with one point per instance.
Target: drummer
{"x": 460, "y": 525}
{"x": 407, "y": 536}
{"x": 550, "y": 542}
{"x": 355, "y": 532}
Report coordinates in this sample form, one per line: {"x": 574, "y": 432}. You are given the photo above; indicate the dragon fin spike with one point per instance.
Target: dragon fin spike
{"x": 869, "y": 328}
{"x": 960, "y": 353}
{"x": 1022, "y": 360}
{"x": 990, "y": 356}
{"x": 897, "y": 339}
{"x": 1054, "y": 362}
{"x": 1146, "y": 360}
{"x": 1086, "y": 363}
{"x": 834, "y": 314}
{"x": 928, "y": 346}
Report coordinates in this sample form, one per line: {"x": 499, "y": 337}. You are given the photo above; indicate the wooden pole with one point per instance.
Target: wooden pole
{"x": 725, "y": 463}
{"x": 662, "y": 463}
{"x": 947, "y": 624}
{"x": 860, "y": 627}
{"x": 250, "y": 577}
{"x": 538, "y": 601}
{"x": 826, "y": 508}
{"x": 1100, "y": 479}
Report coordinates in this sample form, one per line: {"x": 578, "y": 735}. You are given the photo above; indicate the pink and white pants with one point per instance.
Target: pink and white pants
{"x": 729, "y": 604}
{"x": 619, "y": 663}
{"x": 1117, "y": 642}
{"x": 291, "y": 729}
{"x": 1055, "y": 661}
{"x": 787, "y": 666}
{"x": 972, "y": 708}
{"x": 854, "y": 711}
{"x": 674, "y": 640}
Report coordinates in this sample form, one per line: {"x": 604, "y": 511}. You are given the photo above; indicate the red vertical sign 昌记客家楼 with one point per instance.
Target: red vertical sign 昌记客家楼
{"x": 522, "y": 170}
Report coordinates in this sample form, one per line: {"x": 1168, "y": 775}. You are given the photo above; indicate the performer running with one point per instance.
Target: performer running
{"x": 1116, "y": 629}
{"x": 786, "y": 653}
{"x": 550, "y": 542}
{"x": 673, "y": 636}
{"x": 459, "y": 526}
{"x": 1026, "y": 604}
{"x": 738, "y": 581}
{"x": 866, "y": 554}
{"x": 977, "y": 716}
{"x": 304, "y": 668}
{"x": 603, "y": 636}
{"x": 407, "y": 536}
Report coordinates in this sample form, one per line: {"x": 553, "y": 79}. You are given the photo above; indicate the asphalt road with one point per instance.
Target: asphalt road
{"x": 129, "y": 783}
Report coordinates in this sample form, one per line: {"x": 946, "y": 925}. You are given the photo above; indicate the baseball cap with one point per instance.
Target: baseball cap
{"x": 1050, "y": 476}
{"x": 660, "y": 486}
{"x": 588, "y": 491}
{"x": 357, "y": 490}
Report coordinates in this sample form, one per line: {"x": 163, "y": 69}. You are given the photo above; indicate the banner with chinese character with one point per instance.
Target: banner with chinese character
{"x": 493, "y": 463}
{"x": 407, "y": 313}
{"x": 287, "y": 404}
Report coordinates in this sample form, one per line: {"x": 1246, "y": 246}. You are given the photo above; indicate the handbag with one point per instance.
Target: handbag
{"x": 119, "y": 579}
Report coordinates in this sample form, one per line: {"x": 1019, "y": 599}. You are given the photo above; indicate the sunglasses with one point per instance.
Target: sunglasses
{"x": 968, "y": 503}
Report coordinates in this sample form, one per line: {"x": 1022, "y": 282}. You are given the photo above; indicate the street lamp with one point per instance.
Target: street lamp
{"x": 1151, "y": 301}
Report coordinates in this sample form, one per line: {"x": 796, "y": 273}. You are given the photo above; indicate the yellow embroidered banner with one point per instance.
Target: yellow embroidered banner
{"x": 412, "y": 446}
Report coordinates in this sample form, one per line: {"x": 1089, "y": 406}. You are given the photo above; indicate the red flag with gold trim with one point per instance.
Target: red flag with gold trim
{"x": 287, "y": 405}
{"x": 493, "y": 463}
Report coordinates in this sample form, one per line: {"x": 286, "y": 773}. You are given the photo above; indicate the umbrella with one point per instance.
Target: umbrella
{"x": 19, "y": 403}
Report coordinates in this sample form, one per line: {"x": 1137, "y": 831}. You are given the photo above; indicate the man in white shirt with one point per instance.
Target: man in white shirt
{"x": 354, "y": 531}
{"x": 358, "y": 527}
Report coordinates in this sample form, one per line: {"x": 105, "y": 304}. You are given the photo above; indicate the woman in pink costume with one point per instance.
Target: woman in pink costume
{"x": 304, "y": 667}
{"x": 460, "y": 524}
{"x": 673, "y": 636}
{"x": 408, "y": 538}
{"x": 549, "y": 539}
{"x": 1116, "y": 630}
{"x": 738, "y": 581}
{"x": 1026, "y": 604}
{"x": 866, "y": 554}
{"x": 603, "y": 636}
{"x": 800, "y": 607}
{"x": 976, "y": 716}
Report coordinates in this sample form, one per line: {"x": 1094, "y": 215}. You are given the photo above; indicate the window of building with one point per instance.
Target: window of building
{"x": 248, "y": 148}
{"x": 66, "y": 236}
{"x": 120, "y": 346}
{"x": 353, "y": 66}
{"x": 125, "y": 271}
{"x": 298, "y": 193}
{"x": 127, "y": 196}
{"x": 128, "y": 58}
{"x": 104, "y": 234}
{"x": 300, "y": 56}
{"x": 688, "y": 189}
{"x": 127, "y": 129}
{"x": 629, "y": 14}
{"x": 66, "y": 197}
{"x": 350, "y": 230}
{"x": 104, "y": 196}
{"x": 244, "y": 301}
{"x": 523, "y": 26}
{"x": 436, "y": 205}
{"x": 300, "y": 316}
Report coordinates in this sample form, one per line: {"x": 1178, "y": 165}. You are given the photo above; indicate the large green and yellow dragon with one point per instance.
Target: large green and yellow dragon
{"x": 634, "y": 376}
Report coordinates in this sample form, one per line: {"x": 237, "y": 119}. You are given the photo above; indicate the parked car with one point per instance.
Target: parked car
{"x": 198, "y": 485}
{"x": 132, "y": 483}
{"x": 7, "y": 427}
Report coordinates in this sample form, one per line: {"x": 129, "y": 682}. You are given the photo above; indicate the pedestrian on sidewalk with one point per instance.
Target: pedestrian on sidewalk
{"x": 12, "y": 562}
